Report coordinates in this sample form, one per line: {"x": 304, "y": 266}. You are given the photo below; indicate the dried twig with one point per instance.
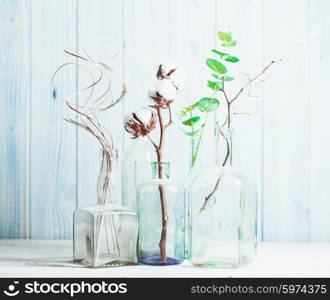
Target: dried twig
{"x": 88, "y": 120}
{"x": 228, "y": 124}
{"x": 251, "y": 80}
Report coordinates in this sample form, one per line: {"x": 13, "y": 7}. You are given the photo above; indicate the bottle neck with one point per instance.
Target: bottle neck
{"x": 160, "y": 170}
{"x": 106, "y": 177}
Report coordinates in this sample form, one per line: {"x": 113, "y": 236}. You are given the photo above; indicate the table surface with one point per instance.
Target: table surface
{"x": 44, "y": 258}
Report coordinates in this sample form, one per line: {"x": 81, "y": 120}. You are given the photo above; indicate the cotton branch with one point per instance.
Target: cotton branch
{"x": 143, "y": 121}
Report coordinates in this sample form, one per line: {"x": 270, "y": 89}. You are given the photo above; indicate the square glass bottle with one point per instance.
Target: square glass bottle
{"x": 105, "y": 235}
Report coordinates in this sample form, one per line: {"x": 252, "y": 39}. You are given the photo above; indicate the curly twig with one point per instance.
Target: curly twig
{"x": 88, "y": 120}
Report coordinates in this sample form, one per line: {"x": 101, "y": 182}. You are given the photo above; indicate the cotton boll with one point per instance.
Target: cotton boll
{"x": 178, "y": 77}
{"x": 140, "y": 122}
{"x": 145, "y": 114}
{"x": 127, "y": 122}
{"x": 152, "y": 93}
{"x": 167, "y": 89}
{"x": 167, "y": 66}
{"x": 170, "y": 70}
{"x": 158, "y": 100}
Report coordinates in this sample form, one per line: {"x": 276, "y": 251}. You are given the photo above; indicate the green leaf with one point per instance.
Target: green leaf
{"x": 188, "y": 108}
{"x": 192, "y": 121}
{"x": 215, "y": 86}
{"x": 192, "y": 133}
{"x": 228, "y": 78}
{"x": 182, "y": 114}
{"x": 229, "y": 44}
{"x": 221, "y": 54}
{"x": 216, "y": 66}
{"x": 224, "y": 36}
{"x": 225, "y": 78}
{"x": 232, "y": 59}
{"x": 207, "y": 104}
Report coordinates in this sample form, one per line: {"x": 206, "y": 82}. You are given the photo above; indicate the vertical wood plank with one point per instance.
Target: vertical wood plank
{"x": 286, "y": 122}
{"x": 319, "y": 60}
{"x": 53, "y": 141}
{"x": 100, "y": 35}
{"x": 14, "y": 118}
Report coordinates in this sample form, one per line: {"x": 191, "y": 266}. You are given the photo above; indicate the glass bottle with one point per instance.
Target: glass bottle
{"x": 105, "y": 234}
{"x": 136, "y": 169}
{"x": 222, "y": 216}
{"x": 159, "y": 243}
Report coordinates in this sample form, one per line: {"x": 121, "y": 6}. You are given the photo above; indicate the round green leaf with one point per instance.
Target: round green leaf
{"x": 216, "y": 66}
{"x": 224, "y": 36}
{"x": 214, "y": 85}
{"x": 228, "y": 78}
{"x": 232, "y": 59}
{"x": 225, "y": 78}
{"x": 229, "y": 44}
{"x": 207, "y": 104}
{"x": 192, "y": 133}
{"x": 192, "y": 121}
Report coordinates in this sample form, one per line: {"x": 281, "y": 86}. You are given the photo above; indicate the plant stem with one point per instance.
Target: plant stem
{"x": 192, "y": 142}
{"x": 216, "y": 186}
{"x": 159, "y": 150}
{"x": 199, "y": 141}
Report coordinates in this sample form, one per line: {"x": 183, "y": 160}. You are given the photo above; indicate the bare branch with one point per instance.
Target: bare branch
{"x": 251, "y": 80}
{"x": 208, "y": 197}
{"x": 75, "y": 55}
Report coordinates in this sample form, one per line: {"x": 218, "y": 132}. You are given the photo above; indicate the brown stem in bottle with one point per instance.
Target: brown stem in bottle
{"x": 162, "y": 242}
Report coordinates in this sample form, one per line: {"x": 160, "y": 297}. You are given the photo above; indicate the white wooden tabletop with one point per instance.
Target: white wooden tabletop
{"x": 45, "y": 258}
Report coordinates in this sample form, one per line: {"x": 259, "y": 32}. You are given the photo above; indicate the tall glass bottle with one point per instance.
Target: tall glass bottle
{"x": 105, "y": 234}
{"x": 136, "y": 169}
{"x": 161, "y": 209}
{"x": 222, "y": 216}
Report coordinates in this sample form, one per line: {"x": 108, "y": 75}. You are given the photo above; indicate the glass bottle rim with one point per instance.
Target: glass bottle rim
{"x": 154, "y": 163}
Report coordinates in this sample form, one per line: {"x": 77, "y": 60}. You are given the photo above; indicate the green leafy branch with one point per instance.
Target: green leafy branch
{"x": 217, "y": 66}
{"x": 227, "y": 124}
{"x": 194, "y": 123}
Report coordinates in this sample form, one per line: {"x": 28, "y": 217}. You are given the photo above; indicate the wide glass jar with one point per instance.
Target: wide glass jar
{"x": 222, "y": 216}
{"x": 161, "y": 209}
{"x": 105, "y": 234}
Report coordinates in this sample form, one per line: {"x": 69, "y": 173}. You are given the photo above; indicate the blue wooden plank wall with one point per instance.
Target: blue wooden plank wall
{"x": 48, "y": 167}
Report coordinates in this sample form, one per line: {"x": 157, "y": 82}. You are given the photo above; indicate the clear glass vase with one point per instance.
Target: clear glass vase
{"x": 222, "y": 216}
{"x": 105, "y": 234}
{"x": 136, "y": 169}
{"x": 161, "y": 209}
